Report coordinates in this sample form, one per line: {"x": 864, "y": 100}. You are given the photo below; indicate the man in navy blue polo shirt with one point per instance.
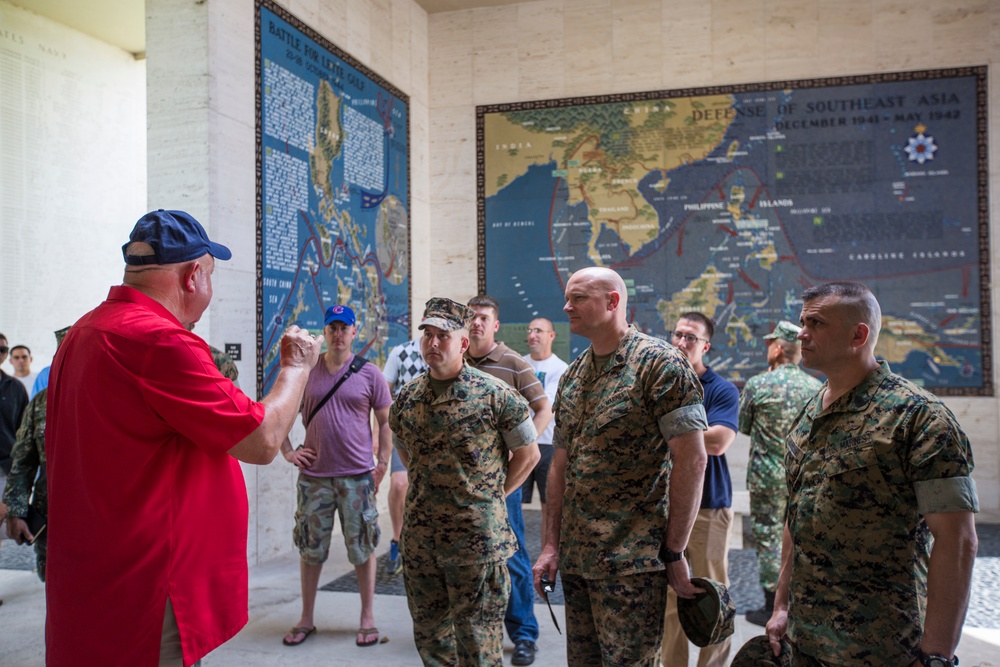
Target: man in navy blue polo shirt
{"x": 708, "y": 548}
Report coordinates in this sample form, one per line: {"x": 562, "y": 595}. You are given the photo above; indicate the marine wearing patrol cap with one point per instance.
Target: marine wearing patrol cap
{"x": 446, "y": 315}
{"x": 785, "y": 330}
{"x": 757, "y": 653}
{"x": 710, "y": 616}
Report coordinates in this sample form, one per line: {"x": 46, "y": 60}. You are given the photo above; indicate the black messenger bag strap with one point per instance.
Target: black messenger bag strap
{"x": 355, "y": 366}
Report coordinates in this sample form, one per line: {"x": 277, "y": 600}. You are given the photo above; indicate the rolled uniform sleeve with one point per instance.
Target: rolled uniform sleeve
{"x": 940, "y": 463}
{"x": 514, "y": 420}
{"x": 521, "y": 436}
{"x": 683, "y": 420}
{"x": 952, "y": 494}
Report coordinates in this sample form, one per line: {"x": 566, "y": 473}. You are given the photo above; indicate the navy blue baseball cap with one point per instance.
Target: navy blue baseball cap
{"x": 339, "y": 314}
{"x": 174, "y": 236}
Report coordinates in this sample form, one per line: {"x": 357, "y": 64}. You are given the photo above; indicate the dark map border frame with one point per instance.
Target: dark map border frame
{"x": 376, "y": 78}
{"x": 982, "y": 170}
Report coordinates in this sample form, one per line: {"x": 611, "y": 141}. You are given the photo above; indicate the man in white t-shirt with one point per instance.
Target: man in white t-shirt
{"x": 548, "y": 368}
{"x": 20, "y": 359}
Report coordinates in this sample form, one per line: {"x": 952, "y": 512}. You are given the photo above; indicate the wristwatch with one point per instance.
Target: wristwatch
{"x": 936, "y": 660}
{"x": 671, "y": 556}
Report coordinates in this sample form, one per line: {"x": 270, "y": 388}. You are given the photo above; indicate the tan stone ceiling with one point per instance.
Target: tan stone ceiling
{"x": 123, "y": 22}
{"x": 435, "y": 6}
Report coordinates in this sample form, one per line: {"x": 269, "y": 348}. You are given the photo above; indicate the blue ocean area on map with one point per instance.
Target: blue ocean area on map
{"x": 335, "y": 188}
{"x": 736, "y": 215}
{"x": 534, "y": 285}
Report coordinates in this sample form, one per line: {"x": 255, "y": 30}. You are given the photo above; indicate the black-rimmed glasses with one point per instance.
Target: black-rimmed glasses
{"x": 689, "y": 338}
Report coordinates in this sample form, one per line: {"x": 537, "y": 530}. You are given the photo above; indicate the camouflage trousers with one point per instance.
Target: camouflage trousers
{"x": 767, "y": 522}
{"x": 800, "y": 659}
{"x": 457, "y": 611}
{"x": 615, "y": 622}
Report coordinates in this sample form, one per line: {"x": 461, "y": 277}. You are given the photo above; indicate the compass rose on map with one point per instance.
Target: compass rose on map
{"x": 920, "y": 147}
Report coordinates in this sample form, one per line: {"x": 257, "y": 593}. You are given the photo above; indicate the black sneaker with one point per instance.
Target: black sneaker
{"x": 524, "y": 652}
{"x": 763, "y": 615}
{"x": 759, "y": 616}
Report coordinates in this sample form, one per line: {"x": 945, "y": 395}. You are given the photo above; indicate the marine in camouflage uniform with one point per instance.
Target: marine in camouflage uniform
{"x": 614, "y": 423}
{"x": 28, "y": 465}
{"x": 859, "y": 582}
{"x": 225, "y": 364}
{"x": 768, "y": 404}
{"x": 27, "y": 472}
{"x": 629, "y": 455}
{"x": 870, "y": 476}
{"x": 456, "y": 440}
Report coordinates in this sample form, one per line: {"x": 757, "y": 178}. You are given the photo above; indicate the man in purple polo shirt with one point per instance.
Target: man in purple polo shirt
{"x": 337, "y": 472}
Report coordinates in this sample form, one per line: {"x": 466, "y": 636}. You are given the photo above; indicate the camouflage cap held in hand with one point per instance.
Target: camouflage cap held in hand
{"x": 757, "y": 653}
{"x": 785, "y": 330}
{"x": 710, "y": 616}
{"x": 446, "y": 315}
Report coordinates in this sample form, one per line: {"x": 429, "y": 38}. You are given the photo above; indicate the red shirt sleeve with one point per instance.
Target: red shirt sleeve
{"x": 180, "y": 382}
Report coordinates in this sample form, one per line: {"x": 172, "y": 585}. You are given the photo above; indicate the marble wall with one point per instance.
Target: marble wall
{"x": 202, "y": 158}
{"x": 72, "y": 174}
{"x": 559, "y": 48}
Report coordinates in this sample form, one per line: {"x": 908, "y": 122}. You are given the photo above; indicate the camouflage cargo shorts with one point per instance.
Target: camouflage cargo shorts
{"x": 318, "y": 499}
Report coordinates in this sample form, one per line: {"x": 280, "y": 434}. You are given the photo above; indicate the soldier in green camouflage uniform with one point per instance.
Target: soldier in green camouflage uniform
{"x": 223, "y": 361}
{"x": 876, "y": 467}
{"x": 27, "y": 474}
{"x": 28, "y": 460}
{"x": 455, "y": 428}
{"x": 225, "y": 364}
{"x": 769, "y": 403}
{"x": 625, "y": 482}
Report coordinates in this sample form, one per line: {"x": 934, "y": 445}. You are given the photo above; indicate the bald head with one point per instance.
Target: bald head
{"x": 596, "y": 306}
{"x": 607, "y": 282}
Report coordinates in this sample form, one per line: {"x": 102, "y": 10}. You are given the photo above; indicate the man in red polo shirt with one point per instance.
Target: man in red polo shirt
{"x": 147, "y": 513}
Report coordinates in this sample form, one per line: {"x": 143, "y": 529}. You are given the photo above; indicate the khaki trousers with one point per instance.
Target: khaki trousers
{"x": 708, "y": 554}
{"x": 170, "y": 641}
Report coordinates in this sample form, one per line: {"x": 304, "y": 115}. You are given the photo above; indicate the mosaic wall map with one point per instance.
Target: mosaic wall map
{"x": 732, "y": 200}
{"x": 333, "y": 199}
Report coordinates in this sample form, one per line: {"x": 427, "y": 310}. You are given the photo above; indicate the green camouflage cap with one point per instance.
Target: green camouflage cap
{"x": 710, "y": 616}
{"x": 757, "y": 653}
{"x": 60, "y": 335}
{"x": 785, "y": 330}
{"x": 446, "y": 315}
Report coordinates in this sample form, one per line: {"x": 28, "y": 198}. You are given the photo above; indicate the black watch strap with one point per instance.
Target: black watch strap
{"x": 937, "y": 660}
{"x": 672, "y": 556}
